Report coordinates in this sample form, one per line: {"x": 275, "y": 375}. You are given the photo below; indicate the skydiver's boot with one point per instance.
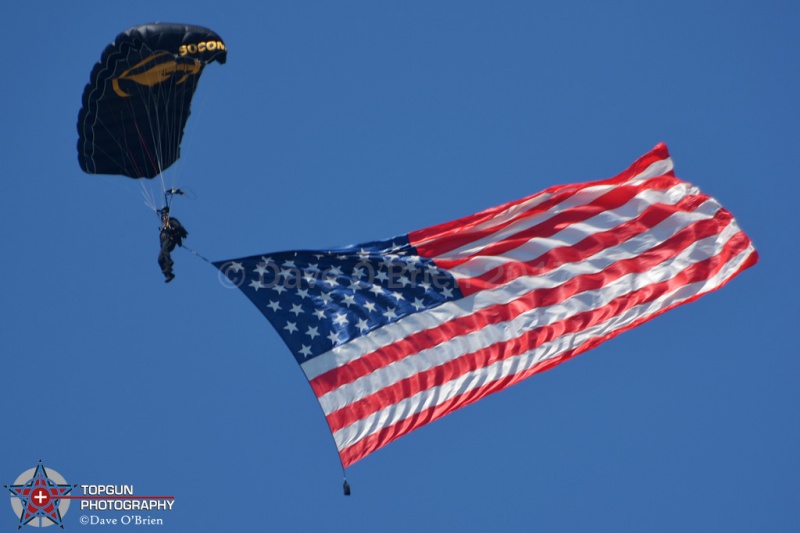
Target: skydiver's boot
{"x": 169, "y": 277}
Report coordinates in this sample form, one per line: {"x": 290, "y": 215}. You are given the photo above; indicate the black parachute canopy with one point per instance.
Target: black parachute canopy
{"x": 138, "y": 98}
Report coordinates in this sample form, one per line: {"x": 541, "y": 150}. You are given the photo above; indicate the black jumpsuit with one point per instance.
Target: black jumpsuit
{"x": 172, "y": 234}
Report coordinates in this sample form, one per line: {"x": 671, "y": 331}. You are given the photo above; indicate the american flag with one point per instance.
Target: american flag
{"x": 394, "y": 334}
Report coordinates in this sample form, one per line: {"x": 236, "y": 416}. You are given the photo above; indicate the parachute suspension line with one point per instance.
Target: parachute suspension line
{"x": 172, "y": 124}
{"x": 142, "y": 130}
{"x": 148, "y": 197}
{"x": 167, "y": 104}
{"x": 172, "y": 142}
{"x": 158, "y": 139}
{"x": 121, "y": 140}
{"x": 180, "y": 95}
{"x": 119, "y": 134}
{"x": 170, "y": 105}
{"x": 164, "y": 190}
{"x": 185, "y": 101}
{"x": 151, "y": 201}
{"x": 168, "y": 119}
{"x": 127, "y": 145}
{"x": 144, "y": 93}
{"x": 141, "y": 139}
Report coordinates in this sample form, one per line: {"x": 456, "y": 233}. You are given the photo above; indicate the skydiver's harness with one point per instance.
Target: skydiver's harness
{"x": 164, "y": 211}
{"x": 168, "y": 194}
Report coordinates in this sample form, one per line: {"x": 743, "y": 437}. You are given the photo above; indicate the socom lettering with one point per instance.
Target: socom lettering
{"x": 207, "y": 46}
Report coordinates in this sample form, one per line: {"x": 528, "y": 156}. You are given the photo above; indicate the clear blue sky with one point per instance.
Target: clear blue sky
{"x": 335, "y": 123}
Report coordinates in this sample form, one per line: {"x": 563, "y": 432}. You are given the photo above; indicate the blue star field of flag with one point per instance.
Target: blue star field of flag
{"x": 317, "y": 300}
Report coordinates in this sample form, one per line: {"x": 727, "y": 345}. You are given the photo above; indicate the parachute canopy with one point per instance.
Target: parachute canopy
{"x": 138, "y": 98}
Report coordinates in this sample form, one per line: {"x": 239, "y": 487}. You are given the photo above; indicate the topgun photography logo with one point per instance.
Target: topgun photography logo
{"x": 41, "y": 497}
{"x": 38, "y": 497}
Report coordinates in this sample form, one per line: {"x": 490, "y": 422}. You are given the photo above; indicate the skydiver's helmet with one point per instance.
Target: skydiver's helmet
{"x": 164, "y": 212}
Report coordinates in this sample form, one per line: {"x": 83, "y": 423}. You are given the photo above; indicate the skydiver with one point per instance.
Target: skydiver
{"x": 172, "y": 233}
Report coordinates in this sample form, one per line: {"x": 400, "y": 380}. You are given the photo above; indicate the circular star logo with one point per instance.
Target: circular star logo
{"x": 36, "y": 497}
